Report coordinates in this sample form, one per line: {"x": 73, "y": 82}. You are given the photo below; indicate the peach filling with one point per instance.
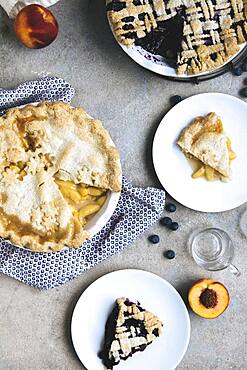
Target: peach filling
{"x": 84, "y": 200}
{"x": 202, "y": 170}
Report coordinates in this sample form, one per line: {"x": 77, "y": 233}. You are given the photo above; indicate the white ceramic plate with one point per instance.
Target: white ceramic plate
{"x": 173, "y": 169}
{"x": 154, "y": 294}
{"x": 158, "y": 64}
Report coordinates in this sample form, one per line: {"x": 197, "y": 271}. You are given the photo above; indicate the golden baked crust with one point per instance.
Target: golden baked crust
{"x": 38, "y": 145}
{"x": 205, "y": 140}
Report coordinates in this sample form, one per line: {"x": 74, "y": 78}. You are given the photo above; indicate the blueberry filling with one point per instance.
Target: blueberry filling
{"x": 136, "y": 324}
{"x": 127, "y": 303}
{"x": 165, "y": 40}
{"x": 116, "y": 6}
{"x": 109, "y": 337}
{"x": 213, "y": 56}
{"x": 155, "y": 332}
{"x": 128, "y": 19}
{"x": 131, "y": 35}
{"x": 142, "y": 16}
{"x": 127, "y": 27}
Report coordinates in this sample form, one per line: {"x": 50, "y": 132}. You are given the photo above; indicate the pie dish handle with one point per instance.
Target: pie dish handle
{"x": 234, "y": 270}
{"x": 13, "y": 7}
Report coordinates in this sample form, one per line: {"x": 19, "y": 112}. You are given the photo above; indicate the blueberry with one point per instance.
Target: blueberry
{"x": 170, "y": 254}
{"x": 170, "y": 207}
{"x": 237, "y": 71}
{"x": 243, "y": 92}
{"x": 175, "y": 99}
{"x": 166, "y": 221}
{"x": 244, "y": 67}
{"x": 173, "y": 226}
{"x": 154, "y": 239}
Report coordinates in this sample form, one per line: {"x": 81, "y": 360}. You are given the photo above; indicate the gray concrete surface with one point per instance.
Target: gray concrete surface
{"x": 34, "y": 325}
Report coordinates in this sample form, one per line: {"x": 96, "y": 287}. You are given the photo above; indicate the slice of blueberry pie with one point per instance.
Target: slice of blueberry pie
{"x": 197, "y": 35}
{"x": 129, "y": 329}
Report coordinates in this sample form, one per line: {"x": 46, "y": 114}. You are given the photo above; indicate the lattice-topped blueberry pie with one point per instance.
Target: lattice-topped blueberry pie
{"x": 129, "y": 329}
{"x": 197, "y": 35}
{"x": 56, "y": 165}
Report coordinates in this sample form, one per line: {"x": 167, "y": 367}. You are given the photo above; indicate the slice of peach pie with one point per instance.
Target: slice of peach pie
{"x": 205, "y": 142}
{"x": 56, "y": 166}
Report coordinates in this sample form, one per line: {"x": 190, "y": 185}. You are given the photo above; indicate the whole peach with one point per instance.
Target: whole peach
{"x": 35, "y": 26}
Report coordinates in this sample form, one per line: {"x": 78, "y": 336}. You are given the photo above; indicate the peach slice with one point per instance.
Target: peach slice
{"x": 208, "y": 298}
{"x": 35, "y": 26}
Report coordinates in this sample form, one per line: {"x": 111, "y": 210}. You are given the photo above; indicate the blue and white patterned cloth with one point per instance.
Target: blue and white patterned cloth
{"x": 136, "y": 211}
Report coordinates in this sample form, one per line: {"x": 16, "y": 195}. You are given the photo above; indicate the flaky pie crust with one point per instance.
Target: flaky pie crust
{"x": 39, "y": 143}
{"x": 205, "y": 140}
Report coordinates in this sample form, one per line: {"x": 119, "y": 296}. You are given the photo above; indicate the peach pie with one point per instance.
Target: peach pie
{"x": 56, "y": 166}
{"x": 205, "y": 142}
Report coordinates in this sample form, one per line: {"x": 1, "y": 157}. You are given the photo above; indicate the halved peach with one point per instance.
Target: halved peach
{"x": 208, "y": 298}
